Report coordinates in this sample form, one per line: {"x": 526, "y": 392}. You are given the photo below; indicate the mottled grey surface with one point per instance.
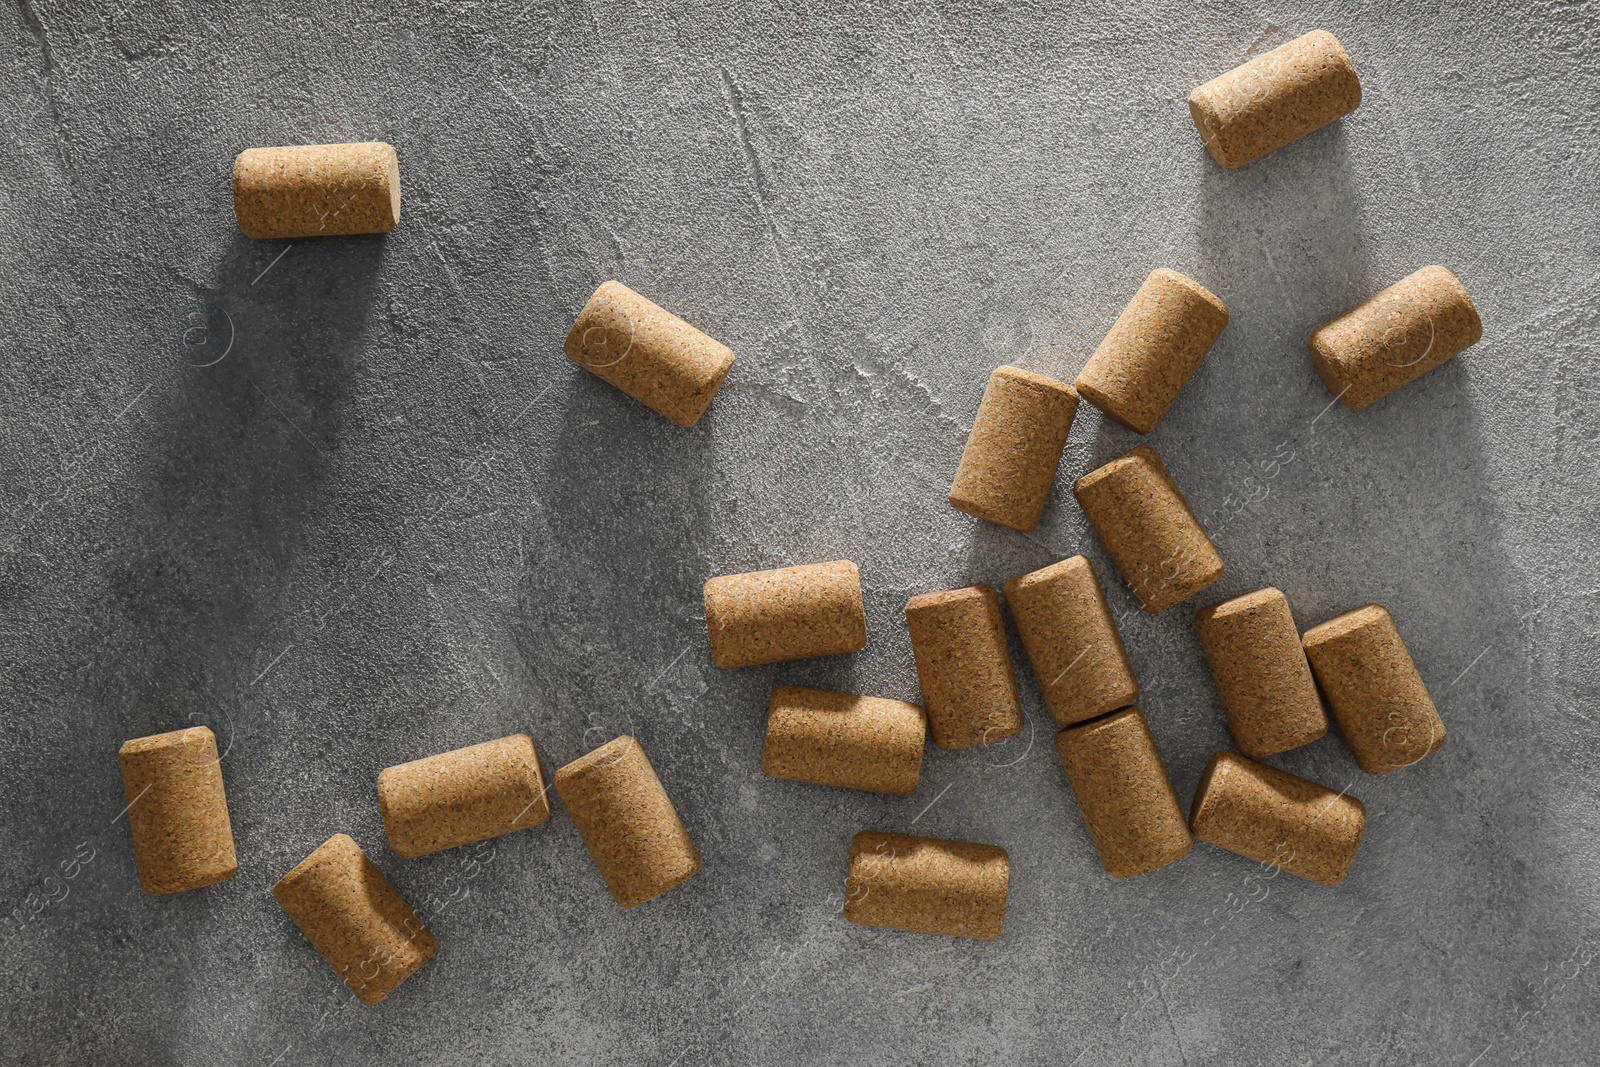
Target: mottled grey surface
{"x": 391, "y": 519}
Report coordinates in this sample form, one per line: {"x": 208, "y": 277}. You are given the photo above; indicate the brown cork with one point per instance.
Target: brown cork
{"x": 1077, "y": 654}
{"x": 926, "y": 885}
{"x": 1153, "y": 349}
{"x": 317, "y": 190}
{"x": 177, "y": 810}
{"x": 1122, "y": 789}
{"x": 1373, "y": 689}
{"x": 790, "y": 613}
{"x": 1148, "y": 529}
{"x": 649, "y": 353}
{"x": 352, "y": 915}
{"x": 845, "y": 740}
{"x": 1253, "y": 647}
{"x": 964, "y": 665}
{"x": 1010, "y": 461}
{"x": 1278, "y": 97}
{"x": 1418, "y": 323}
{"x": 466, "y": 795}
{"x": 627, "y": 821}
{"x": 1275, "y": 818}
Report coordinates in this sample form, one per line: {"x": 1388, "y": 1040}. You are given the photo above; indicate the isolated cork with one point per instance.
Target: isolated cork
{"x": 649, "y": 353}
{"x": 1122, "y": 788}
{"x": 1420, "y": 322}
{"x": 1153, "y": 349}
{"x": 627, "y": 821}
{"x": 1278, "y": 97}
{"x": 1148, "y": 529}
{"x": 1276, "y": 818}
{"x": 964, "y": 665}
{"x": 352, "y": 915}
{"x": 467, "y": 795}
{"x": 785, "y": 614}
{"x": 841, "y": 739}
{"x": 926, "y": 885}
{"x": 1263, "y": 679}
{"x": 1373, "y": 689}
{"x": 1072, "y": 641}
{"x": 177, "y": 810}
{"x": 318, "y": 190}
{"x": 1009, "y": 464}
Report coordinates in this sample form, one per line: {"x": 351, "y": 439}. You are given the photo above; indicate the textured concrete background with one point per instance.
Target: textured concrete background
{"x": 390, "y": 519}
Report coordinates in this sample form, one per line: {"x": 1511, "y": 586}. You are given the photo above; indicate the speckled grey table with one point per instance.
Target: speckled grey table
{"x": 344, "y": 501}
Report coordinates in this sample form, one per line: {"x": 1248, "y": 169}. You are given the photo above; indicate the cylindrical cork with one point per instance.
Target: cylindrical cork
{"x": 627, "y": 821}
{"x": 964, "y": 666}
{"x": 1276, "y": 818}
{"x": 177, "y": 810}
{"x": 1077, "y": 654}
{"x": 317, "y": 190}
{"x": 1153, "y": 349}
{"x": 1278, "y": 97}
{"x": 1122, "y": 789}
{"x": 789, "y": 613}
{"x": 1268, "y": 694}
{"x": 841, "y": 739}
{"x": 1148, "y": 530}
{"x": 1009, "y": 464}
{"x": 358, "y": 921}
{"x": 1373, "y": 689}
{"x": 1418, "y": 323}
{"x": 927, "y": 885}
{"x": 467, "y": 795}
{"x": 649, "y": 353}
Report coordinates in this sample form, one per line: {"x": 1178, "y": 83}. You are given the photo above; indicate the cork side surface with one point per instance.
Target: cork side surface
{"x": 1073, "y": 645}
{"x": 786, "y": 614}
{"x": 969, "y": 690}
{"x": 845, "y": 740}
{"x": 1253, "y": 648}
{"x": 177, "y": 810}
{"x": 927, "y": 885}
{"x": 467, "y": 795}
{"x": 317, "y": 190}
{"x": 1009, "y": 465}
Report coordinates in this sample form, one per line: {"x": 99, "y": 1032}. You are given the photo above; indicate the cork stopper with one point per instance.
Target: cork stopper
{"x": 352, "y": 915}
{"x": 1276, "y": 818}
{"x": 1122, "y": 788}
{"x": 1153, "y": 349}
{"x": 840, "y": 739}
{"x": 1263, "y": 679}
{"x": 318, "y": 190}
{"x": 1373, "y": 689}
{"x": 1148, "y": 529}
{"x": 177, "y": 810}
{"x": 649, "y": 353}
{"x": 1072, "y": 641}
{"x": 627, "y": 822}
{"x": 467, "y": 795}
{"x": 1009, "y": 464}
{"x": 964, "y": 666}
{"x": 785, "y": 614}
{"x": 926, "y": 885}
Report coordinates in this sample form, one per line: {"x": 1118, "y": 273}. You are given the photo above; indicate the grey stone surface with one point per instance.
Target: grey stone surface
{"x": 390, "y": 519}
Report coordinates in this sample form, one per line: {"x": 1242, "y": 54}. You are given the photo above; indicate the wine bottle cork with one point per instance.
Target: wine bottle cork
{"x": 1122, "y": 788}
{"x": 785, "y": 614}
{"x": 1072, "y": 641}
{"x": 1420, "y": 322}
{"x": 1009, "y": 464}
{"x": 840, "y": 739}
{"x": 467, "y": 795}
{"x": 926, "y": 885}
{"x": 317, "y": 190}
{"x": 1148, "y": 529}
{"x": 1278, "y": 97}
{"x": 1276, "y": 818}
{"x": 358, "y": 921}
{"x": 1263, "y": 679}
{"x": 1153, "y": 349}
{"x": 627, "y": 822}
{"x": 177, "y": 810}
{"x": 649, "y": 353}
{"x": 1373, "y": 689}
{"x": 964, "y": 666}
